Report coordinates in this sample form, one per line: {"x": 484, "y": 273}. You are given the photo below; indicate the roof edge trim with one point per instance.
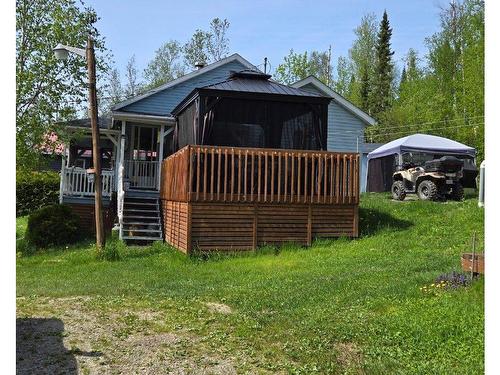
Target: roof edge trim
{"x": 363, "y": 116}
{"x": 195, "y": 73}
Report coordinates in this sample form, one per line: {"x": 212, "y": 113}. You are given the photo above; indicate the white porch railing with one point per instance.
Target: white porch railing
{"x": 75, "y": 182}
{"x": 142, "y": 174}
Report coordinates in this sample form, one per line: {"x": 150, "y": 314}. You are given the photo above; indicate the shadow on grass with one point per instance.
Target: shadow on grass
{"x": 372, "y": 221}
{"x": 40, "y": 348}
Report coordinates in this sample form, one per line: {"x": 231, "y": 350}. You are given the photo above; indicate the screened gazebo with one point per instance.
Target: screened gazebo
{"x": 250, "y": 168}
{"x": 250, "y": 110}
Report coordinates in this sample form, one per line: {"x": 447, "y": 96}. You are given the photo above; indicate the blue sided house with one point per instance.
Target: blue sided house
{"x": 138, "y": 134}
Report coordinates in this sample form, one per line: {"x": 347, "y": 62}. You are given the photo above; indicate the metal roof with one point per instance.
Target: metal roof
{"x": 252, "y": 81}
{"x": 248, "y": 83}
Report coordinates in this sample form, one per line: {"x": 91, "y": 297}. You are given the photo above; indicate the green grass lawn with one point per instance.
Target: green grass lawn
{"x": 340, "y": 306}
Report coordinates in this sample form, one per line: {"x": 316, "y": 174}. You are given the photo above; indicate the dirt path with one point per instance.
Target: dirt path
{"x": 77, "y": 336}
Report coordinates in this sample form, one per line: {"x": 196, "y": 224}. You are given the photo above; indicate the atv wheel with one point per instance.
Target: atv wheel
{"x": 427, "y": 190}
{"x": 398, "y": 191}
{"x": 457, "y": 192}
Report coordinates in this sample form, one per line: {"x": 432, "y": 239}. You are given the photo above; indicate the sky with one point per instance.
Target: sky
{"x": 258, "y": 28}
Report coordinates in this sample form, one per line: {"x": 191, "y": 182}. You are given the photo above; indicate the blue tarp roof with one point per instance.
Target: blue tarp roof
{"x": 422, "y": 142}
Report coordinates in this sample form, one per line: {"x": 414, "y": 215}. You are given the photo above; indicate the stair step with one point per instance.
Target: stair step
{"x": 141, "y": 203}
{"x": 141, "y": 238}
{"x": 142, "y": 230}
{"x": 131, "y": 199}
{"x": 139, "y": 210}
{"x": 140, "y": 217}
{"x": 140, "y": 223}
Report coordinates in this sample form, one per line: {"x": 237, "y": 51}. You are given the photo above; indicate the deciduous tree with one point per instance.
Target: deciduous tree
{"x": 47, "y": 90}
{"x": 166, "y": 64}
{"x": 218, "y": 43}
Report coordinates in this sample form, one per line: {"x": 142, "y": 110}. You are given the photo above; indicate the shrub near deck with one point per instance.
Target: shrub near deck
{"x": 341, "y": 306}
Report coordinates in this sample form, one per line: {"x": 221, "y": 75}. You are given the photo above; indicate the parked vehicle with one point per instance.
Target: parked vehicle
{"x": 437, "y": 179}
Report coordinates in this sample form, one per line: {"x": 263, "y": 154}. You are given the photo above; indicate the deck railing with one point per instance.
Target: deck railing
{"x": 232, "y": 174}
{"x": 142, "y": 173}
{"x": 75, "y": 182}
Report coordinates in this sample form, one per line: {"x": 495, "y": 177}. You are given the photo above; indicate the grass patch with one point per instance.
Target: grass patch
{"x": 340, "y": 306}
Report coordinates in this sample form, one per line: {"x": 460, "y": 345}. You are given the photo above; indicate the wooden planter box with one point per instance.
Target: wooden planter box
{"x": 478, "y": 263}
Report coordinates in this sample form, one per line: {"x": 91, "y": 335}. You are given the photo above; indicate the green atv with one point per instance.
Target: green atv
{"x": 438, "y": 179}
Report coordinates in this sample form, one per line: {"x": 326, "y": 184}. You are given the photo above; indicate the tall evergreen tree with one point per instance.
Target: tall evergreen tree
{"x": 403, "y": 78}
{"x": 381, "y": 95}
{"x": 364, "y": 90}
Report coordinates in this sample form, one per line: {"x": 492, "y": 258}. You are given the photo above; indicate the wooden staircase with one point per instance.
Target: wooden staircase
{"x": 141, "y": 220}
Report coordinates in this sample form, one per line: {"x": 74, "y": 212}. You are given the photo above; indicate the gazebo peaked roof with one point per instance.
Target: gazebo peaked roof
{"x": 422, "y": 142}
{"x": 255, "y": 84}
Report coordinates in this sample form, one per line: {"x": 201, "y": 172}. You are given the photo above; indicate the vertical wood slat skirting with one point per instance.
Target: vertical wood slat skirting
{"x": 201, "y": 226}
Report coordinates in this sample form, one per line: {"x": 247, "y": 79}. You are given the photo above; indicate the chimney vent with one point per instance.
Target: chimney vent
{"x": 199, "y": 64}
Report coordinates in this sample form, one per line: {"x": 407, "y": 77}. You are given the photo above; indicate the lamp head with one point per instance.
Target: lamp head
{"x": 61, "y": 52}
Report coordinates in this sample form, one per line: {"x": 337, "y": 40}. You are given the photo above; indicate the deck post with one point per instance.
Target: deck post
{"x": 160, "y": 156}
{"x": 63, "y": 174}
{"x": 120, "y": 169}
{"x": 309, "y": 224}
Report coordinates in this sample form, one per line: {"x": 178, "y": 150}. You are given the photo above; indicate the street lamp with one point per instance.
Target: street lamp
{"x": 61, "y": 52}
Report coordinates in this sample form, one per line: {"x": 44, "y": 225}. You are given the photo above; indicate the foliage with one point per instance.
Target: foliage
{"x": 53, "y": 225}
{"x": 218, "y": 43}
{"x": 340, "y": 306}
{"x": 173, "y": 59}
{"x": 195, "y": 50}
{"x": 343, "y": 80}
{"x": 166, "y": 64}
{"x": 111, "y": 252}
{"x": 453, "y": 280}
{"x": 48, "y": 90}
{"x": 22, "y": 246}
{"x": 297, "y": 66}
{"x": 381, "y": 95}
{"x": 444, "y": 96}
{"x": 362, "y": 56}
{"x": 133, "y": 86}
{"x": 114, "y": 89}
{"x": 35, "y": 190}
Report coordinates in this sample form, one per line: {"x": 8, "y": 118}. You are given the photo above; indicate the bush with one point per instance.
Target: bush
{"x": 111, "y": 251}
{"x": 53, "y": 225}
{"x": 35, "y": 190}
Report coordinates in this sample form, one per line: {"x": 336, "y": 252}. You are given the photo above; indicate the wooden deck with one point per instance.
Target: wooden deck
{"x": 229, "y": 198}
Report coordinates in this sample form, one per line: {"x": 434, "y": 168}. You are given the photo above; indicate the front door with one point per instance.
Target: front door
{"x": 143, "y": 165}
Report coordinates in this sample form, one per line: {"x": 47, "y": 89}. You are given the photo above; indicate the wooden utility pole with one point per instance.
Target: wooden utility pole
{"x": 96, "y": 149}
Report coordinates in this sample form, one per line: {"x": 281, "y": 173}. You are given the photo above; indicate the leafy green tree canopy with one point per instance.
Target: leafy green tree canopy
{"x": 297, "y": 66}
{"x": 48, "y": 90}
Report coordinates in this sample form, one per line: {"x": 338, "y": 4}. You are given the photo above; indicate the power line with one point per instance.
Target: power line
{"x": 430, "y": 123}
{"x": 429, "y": 129}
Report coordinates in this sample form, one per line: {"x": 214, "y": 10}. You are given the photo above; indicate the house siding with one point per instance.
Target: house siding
{"x": 163, "y": 102}
{"x": 345, "y": 130}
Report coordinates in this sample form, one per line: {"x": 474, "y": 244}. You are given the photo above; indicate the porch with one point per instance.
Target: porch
{"x": 131, "y": 152}
{"x": 235, "y": 198}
